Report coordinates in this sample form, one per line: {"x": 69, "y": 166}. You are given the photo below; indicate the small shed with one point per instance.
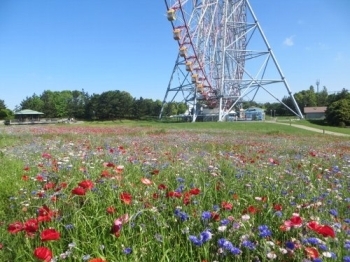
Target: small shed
{"x": 317, "y": 112}
{"x": 254, "y": 113}
{"x": 28, "y": 115}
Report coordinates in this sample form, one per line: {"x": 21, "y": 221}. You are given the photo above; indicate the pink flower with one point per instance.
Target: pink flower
{"x": 118, "y": 223}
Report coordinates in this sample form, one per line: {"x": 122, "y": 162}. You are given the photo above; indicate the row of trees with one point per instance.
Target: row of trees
{"x": 108, "y": 105}
{"x": 120, "y": 104}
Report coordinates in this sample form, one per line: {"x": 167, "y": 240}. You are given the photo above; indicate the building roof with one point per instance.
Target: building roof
{"x": 316, "y": 109}
{"x": 28, "y": 112}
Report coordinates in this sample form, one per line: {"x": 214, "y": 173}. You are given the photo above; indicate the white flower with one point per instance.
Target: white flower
{"x": 222, "y": 228}
{"x": 271, "y": 255}
{"x": 245, "y": 217}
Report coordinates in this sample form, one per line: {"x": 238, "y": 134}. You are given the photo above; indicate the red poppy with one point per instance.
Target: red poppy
{"x": 26, "y": 168}
{"x": 277, "y": 207}
{"x": 110, "y": 210}
{"x": 62, "y": 185}
{"x": 46, "y": 155}
{"x": 251, "y": 210}
{"x": 173, "y": 194}
{"x": 25, "y": 178}
{"x": 155, "y": 196}
{"x": 43, "y": 253}
{"x": 97, "y": 260}
{"x": 326, "y": 231}
{"x": 311, "y": 252}
{"x": 45, "y": 214}
{"x": 226, "y": 205}
{"x": 15, "y": 227}
{"x": 31, "y": 226}
{"x": 195, "y": 191}
{"x": 109, "y": 164}
{"x": 86, "y": 184}
{"x": 296, "y": 221}
{"x": 162, "y": 187}
{"x": 78, "y": 191}
{"x": 49, "y": 234}
{"x": 215, "y": 216}
{"x": 126, "y": 198}
{"x": 105, "y": 173}
{"x": 155, "y": 172}
{"x": 186, "y": 198}
{"x": 49, "y": 185}
{"x": 313, "y": 225}
{"x": 323, "y": 230}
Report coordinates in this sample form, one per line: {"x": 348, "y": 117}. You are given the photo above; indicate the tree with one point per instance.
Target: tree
{"x": 338, "y": 96}
{"x": 2, "y": 104}
{"x": 322, "y": 97}
{"x": 77, "y": 103}
{"x": 34, "y": 103}
{"x": 91, "y": 107}
{"x": 338, "y": 113}
{"x": 49, "y": 108}
{"x": 5, "y": 113}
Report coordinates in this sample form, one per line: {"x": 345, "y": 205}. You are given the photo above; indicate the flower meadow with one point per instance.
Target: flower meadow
{"x": 123, "y": 193}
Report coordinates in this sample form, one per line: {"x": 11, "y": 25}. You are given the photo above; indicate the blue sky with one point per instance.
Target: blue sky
{"x": 127, "y": 45}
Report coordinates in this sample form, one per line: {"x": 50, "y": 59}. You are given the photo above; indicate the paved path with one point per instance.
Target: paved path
{"x": 311, "y": 129}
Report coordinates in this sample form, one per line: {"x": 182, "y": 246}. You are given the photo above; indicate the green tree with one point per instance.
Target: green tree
{"x": 338, "y": 113}
{"x": 34, "y": 103}
{"x": 2, "y": 104}
{"x": 77, "y": 103}
{"x": 6, "y": 113}
{"x": 322, "y": 97}
{"x": 92, "y": 107}
{"x": 49, "y": 108}
{"x": 61, "y": 101}
{"x": 343, "y": 94}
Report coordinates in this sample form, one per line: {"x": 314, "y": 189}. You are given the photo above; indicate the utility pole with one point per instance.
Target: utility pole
{"x": 317, "y": 84}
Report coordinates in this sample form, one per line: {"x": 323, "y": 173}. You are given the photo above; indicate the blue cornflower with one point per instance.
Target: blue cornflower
{"x": 127, "y": 250}
{"x": 290, "y": 245}
{"x": 86, "y": 257}
{"x": 180, "y": 214}
{"x": 248, "y": 244}
{"x": 347, "y": 220}
{"x": 346, "y": 259}
{"x": 69, "y": 226}
{"x": 264, "y": 231}
{"x": 317, "y": 260}
{"x": 180, "y": 189}
{"x": 347, "y": 244}
{"x": 323, "y": 247}
{"x": 228, "y": 246}
{"x": 204, "y": 237}
{"x": 312, "y": 240}
{"x": 333, "y": 212}
{"x": 216, "y": 208}
{"x": 224, "y": 222}
{"x": 180, "y": 180}
{"x": 278, "y": 214}
{"x": 206, "y": 215}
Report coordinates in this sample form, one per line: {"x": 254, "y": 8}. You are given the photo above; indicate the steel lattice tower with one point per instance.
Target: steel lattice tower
{"x": 223, "y": 59}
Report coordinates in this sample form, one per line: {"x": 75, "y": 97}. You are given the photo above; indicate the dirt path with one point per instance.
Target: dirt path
{"x": 317, "y": 130}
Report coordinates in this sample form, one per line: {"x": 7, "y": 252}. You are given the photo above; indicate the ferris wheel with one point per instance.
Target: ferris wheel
{"x": 213, "y": 64}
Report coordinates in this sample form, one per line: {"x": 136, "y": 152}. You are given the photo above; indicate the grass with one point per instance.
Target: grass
{"x": 140, "y": 191}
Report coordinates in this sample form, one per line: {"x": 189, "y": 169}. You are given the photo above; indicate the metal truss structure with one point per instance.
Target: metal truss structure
{"x": 223, "y": 57}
